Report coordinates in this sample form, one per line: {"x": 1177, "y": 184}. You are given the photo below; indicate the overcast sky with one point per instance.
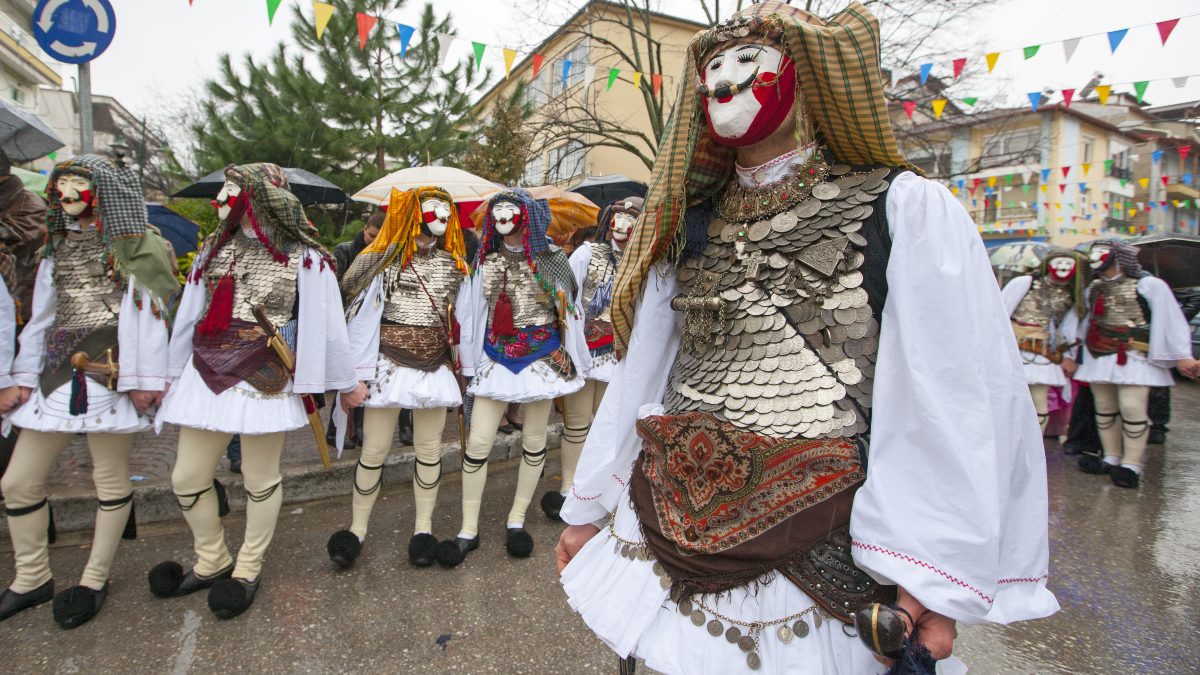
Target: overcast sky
{"x": 164, "y": 47}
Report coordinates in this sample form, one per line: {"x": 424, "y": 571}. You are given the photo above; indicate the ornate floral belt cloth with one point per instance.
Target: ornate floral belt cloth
{"x": 599, "y": 336}
{"x": 423, "y": 348}
{"x": 1103, "y": 341}
{"x": 517, "y": 352}
{"x": 721, "y": 507}
{"x": 238, "y": 353}
{"x": 64, "y": 342}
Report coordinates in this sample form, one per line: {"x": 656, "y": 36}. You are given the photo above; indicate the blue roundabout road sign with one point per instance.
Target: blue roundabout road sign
{"x": 74, "y": 31}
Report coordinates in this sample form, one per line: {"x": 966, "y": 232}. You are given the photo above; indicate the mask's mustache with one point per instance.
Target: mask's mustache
{"x": 725, "y": 89}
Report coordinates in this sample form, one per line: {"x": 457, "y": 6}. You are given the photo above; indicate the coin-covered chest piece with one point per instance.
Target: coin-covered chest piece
{"x": 87, "y": 297}
{"x": 600, "y": 272}
{"x": 509, "y": 272}
{"x": 418, "y": 294}
{"x": 1045, "y": 304}
{"x": 778, "y": 333}
{"x": 257, "y": 279}
{"x": 1115, "y": 304}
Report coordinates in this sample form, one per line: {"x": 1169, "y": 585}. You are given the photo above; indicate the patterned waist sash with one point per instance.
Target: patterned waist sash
{"x": 721, "y": 507}
{"x": 599, "y": 336}
{"x": 238, "y": 353}
{"x": 518, "y": 352}
{"x": 63, "y": 343}
{"x": 1102, "y": 341}
{"x": 423, "y": 348}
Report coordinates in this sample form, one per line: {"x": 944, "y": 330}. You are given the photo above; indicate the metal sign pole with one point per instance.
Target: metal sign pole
{"x": 85, "y": 108}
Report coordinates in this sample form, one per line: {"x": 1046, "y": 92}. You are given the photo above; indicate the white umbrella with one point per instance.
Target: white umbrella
{"x": 462, "y": 186}
{"x": 1022, "y": 256}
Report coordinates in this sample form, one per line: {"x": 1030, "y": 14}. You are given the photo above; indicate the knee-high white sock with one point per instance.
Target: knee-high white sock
{"x": 427, "y": 474}
{"x": 379, "y": 428}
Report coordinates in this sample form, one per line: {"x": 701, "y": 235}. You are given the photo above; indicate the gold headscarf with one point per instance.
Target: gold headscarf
{"x": 837, "y": 68}
{"x": 398, "y": 238}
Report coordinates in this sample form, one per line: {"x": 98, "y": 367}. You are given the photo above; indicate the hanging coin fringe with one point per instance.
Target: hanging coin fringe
{"x": 79, "y": 397}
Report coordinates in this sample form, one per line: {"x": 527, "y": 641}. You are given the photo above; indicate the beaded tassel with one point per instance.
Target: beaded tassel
{"x": 220, "y": 311}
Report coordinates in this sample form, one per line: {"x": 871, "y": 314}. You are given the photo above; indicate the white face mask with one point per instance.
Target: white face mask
{"x": 71, "y": 189}
{"x": 1098, "y": 256}
{"x": 507, "y": 217}
{"x": 731, "y": 118}
{"x": 225, "y": 198}
{"x": 622, "y": 227}
{"x": 1061, "y": 269}
{"x": 441, "y": 215}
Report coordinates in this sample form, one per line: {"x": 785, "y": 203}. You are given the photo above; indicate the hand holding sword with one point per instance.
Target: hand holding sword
{"x": 276, "y": 342}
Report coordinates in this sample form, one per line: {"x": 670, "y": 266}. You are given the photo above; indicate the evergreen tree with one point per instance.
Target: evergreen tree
{"x": 344, "y": 113}
{"x": 500, "y": 144}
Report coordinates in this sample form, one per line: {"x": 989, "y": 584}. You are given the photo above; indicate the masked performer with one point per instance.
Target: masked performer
{"x": 1134, "y": 333}
{"x": 595, "y": 266}
{"x": 401, "y": 332}
{"x": 92, "y": 359}
{"x": 229, "y": 380}
{"x": 1042, "y": 307}
{"x": 523, "y": 342}
{"x": 728, "y": 486}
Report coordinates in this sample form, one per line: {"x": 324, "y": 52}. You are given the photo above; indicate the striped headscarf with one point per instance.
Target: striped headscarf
{"x": 1126, "y": 255}
{"x": 398, "y": 238}
{"x": 549, "y": 264}
{"x": 837, "y": 68}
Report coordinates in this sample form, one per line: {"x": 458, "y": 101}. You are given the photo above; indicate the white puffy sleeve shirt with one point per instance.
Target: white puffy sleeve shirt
{"x": 954, "y": 508}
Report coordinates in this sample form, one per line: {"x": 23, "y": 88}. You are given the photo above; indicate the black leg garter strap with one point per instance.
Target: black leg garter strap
{"x": 422, "y": 483}
{"x": 222, "y": 500}
{"x": 18, "y": 511}
{"x": 265, "y": 494}
{"x": 115, "y": 505}
{"x": 378, "y": 481}
{"x": 471, "y": 464}
{"x": 533, "y": 458}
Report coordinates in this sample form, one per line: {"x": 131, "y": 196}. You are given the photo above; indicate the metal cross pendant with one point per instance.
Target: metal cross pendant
{"x": 753, "y": 263}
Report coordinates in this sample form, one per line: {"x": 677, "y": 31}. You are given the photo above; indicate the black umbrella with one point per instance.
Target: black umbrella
{"x": 23, "y": 136}
{"x": 181, "y": 232}
{"x": 603, "y": 190}
{"x": 307, "y": 186}
{"x": 1175, "y": 258}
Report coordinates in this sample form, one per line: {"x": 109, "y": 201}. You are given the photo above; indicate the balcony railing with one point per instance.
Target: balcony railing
{"x": 1120, "y": 172}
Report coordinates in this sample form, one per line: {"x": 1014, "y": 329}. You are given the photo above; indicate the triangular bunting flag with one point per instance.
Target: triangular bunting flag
{"x": 1183, "y": 153}
{"x": 925, "y": 68}
{"x": 1082, "y": 188}
{"x": 323, "y": 11}
{"x": 1108, "y": 165}
{"x": 1179, "y": 82}
{"x": 406, "y": 33}
{"x": 1102, "y": 92}
{"x": 1115, "y": 37}
{"x": 991, "y": 60}
{"x": 613, "y": 73}
{"x": 939, "y": 104}
{"x": 1124, "y": 181}
{"x": 566, "y": 71}
{"x": 272, "y": 6}
{"x": 1043, "y": 187}
{"x": 1045, "y": 175}
{"x": 478, "y": 48}
{"x": 991, "y": 181}
{"x": 970, "y": 100}
{"x": 1087, "y": 166}
{"x": 1067, "y": 95}
{"x": 365, "y": 23}
{"x": 537, "y": 63}
{"x": 1035, "y": 97}
{"x": 1156, "y": 156}
{"x": 589, "y": 74}
{"x": 1069, "y": 48}
{"x": 1140, "y": 88}
{"x": 1165, "y": 180}
{"x": 445, "y": 41}
{"x": 909, "y": 107}
{"x": 1062, "y": 187}
{"x": 1066, "y": 170}
{"x": 1144, "y": 182}
{"x": 656, "y": 83}
{"x": 1027, "y": 177}
{"x": 1030, "y": 52}
{"x": 1165, "y": 28}
{"x": 637, "y": 80}
{"x": 959, "y": 64}
{"x": 510, "y": 55}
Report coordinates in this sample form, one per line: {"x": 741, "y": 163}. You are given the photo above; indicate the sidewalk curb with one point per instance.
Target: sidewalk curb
{"x": 75, "y": 509}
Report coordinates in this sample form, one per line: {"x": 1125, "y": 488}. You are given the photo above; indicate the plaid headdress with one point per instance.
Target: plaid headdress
{"x": 837, "y": 68}
{"x": 629, "y": 205}
{"x": 1126, "y": 254}
{"x": 275, "y": 213}
{"x": 120, "y": 211}
{"x": 398, "y": 238}
{"x": 1082, "y": 275}
{"x": 549, "y": 263}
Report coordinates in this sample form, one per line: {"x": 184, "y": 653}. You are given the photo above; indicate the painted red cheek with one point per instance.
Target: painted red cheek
{"x": 766, "y": 94}
{"x": 429, "y": 216}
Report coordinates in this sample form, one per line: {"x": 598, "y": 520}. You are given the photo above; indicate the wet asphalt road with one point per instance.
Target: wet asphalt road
{"x": 1125, "y": 566}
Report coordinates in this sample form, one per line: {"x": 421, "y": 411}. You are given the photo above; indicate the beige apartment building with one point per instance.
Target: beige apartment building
{"x": 566, "y": 145}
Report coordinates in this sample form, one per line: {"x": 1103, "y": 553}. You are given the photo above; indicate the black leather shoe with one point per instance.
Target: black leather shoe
{"x": 1093, "y": 464}
{"x": 77, "y": 605}
{"x": 1124, "y": 477}
{"x": 12, "y": 602}
{"x": 230, "y": 597}
{"x": 423, "y": 549}
{"x": 552, "y": 503}
{"x": 452, "y": 552}
{"x": 167, "y": 580}
{"x": 518, "y": 543}
{"x": 343, "y": 548}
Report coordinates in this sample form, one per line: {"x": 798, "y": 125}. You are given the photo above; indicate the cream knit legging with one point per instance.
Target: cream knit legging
{"x": 1123, "y": 422}
{"x": 379, "y": 428}
{"x": 24, "y": 486}
{"x": 192, "y": 480}
{"x": 485, "y": 420}
{"x": 577, "y": 421}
